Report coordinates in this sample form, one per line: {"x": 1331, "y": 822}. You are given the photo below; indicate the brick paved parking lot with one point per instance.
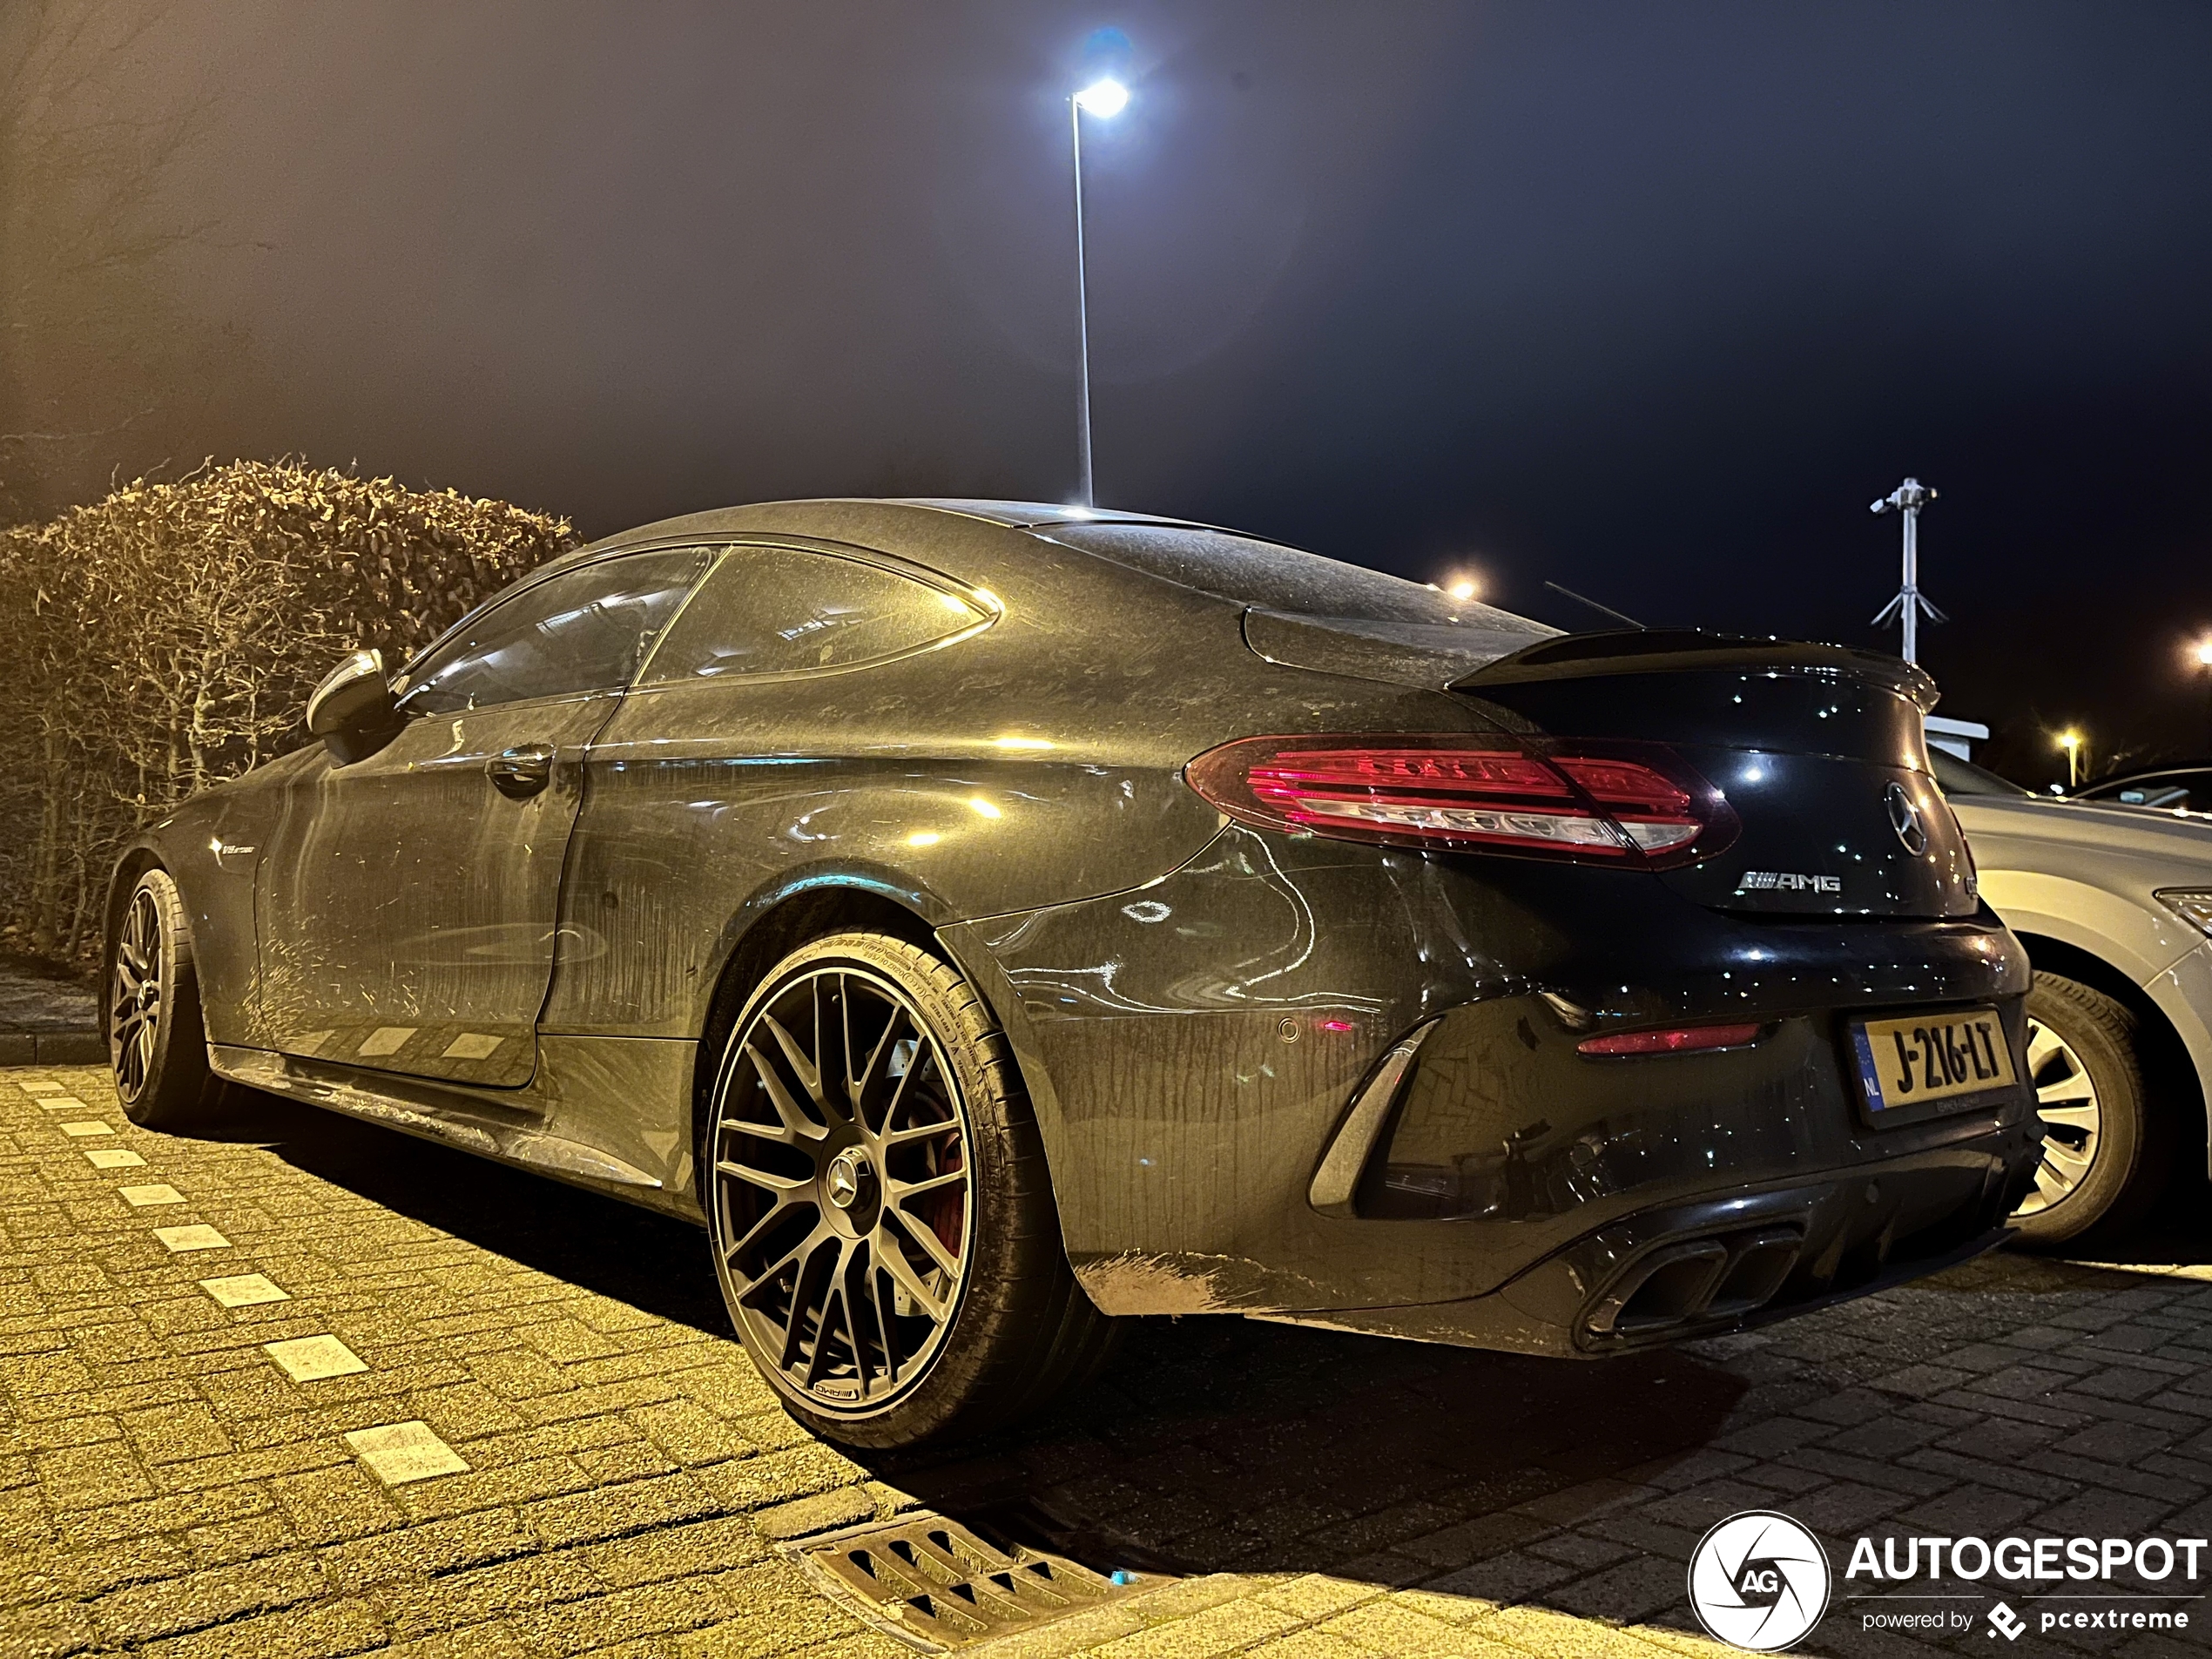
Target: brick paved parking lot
{"x": 309, "y": 1388}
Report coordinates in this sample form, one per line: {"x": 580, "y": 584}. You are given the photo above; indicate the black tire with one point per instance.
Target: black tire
{"x": 2105, "y": 1151}
{"x": 156, "y": 1043}
{"x": 867, "y": 1114}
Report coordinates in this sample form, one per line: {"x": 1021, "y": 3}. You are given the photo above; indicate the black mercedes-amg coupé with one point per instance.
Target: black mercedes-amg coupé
{"x": 989, "y": 919}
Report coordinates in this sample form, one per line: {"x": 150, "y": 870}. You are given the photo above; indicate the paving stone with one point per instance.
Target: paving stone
{"x": 86, "y": 1477}
{"x": 778, "y": 1477}
{"x": 825, "y": 1512}
{"x": 180, "y": 1240}
{"x": 613, "y": 1512}
{"x": 216, "y": 1595}
{"x": 476, "y": 1596}
{"x": 243, "y": 1289}
{"x": 326, "y": 1631}
{"x": 398, "y": 1452}
{"x": 2102, "y": 1514}
{"x": 1630, "y": 1590}
{"x": 169, "y": 1433}
{"x": 619, "y": 1616}
{"x": 312, "y": 1358}
{"x": 683, "y": 1551}
{"x": 1384, "y": 1626}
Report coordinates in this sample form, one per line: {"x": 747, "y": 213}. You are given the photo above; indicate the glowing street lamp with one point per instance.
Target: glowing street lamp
{"x": 2071, "y": 742}
{"x": 1103, "y": 99}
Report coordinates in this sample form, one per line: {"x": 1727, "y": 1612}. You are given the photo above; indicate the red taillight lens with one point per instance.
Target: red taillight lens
{"x": 1587, "y": 801}
{"x": 1683, "y": 1039}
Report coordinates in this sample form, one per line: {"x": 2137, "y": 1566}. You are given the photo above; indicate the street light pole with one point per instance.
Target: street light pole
{"x": 2202, "y": 653}
{"x": 1082, "y": 318}
{"x": 1105, "y": 99}
{"x": 1909, "y": 606}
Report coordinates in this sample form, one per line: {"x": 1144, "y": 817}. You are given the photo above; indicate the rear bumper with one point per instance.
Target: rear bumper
{"x": 1197, "y": 1051}
{"x": 1703, "y": 1269}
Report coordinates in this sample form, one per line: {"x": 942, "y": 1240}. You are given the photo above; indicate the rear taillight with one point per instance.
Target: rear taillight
{"x": 1636, "y": 804}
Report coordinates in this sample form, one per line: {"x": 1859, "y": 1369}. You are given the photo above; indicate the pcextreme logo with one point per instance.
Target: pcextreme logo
{"x": 1759, "y": 1580}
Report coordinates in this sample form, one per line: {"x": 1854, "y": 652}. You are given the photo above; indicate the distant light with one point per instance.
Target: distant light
{"x": 2204, "y": 653}
{"x": 924, "y": 838}
{"x": 1021, "y": 743}
{"x": 1105, "y": 98}
{"x": 1462, "y": 590}
{"x": 984, "y": 808}
{"x": 2069, "y": 739}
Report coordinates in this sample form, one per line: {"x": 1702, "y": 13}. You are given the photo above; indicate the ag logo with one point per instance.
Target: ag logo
{"x": 1758, "y": 1580}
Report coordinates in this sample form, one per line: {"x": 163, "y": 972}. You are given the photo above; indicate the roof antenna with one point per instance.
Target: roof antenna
{"x": 1605, "y": 609}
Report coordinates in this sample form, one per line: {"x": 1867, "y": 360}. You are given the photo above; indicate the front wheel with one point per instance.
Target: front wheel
{"x": 882, "y": 1218}
{"x": 157, "y": 1045}
{"x": 2102, "y": 1163}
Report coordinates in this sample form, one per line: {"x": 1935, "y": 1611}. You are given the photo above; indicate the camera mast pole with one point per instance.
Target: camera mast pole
{"x": 1910, "y": 605}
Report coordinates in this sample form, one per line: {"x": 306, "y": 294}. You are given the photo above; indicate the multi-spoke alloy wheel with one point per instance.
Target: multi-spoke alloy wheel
{"x": 156, "y": 1043}
{"x": 134, "y": 995}
{"x": 2066, "y": 1099}
{"x": 876, "y": 1195}
{"x": 843, "y": 1187}
{"x": 2105, "y": 1150}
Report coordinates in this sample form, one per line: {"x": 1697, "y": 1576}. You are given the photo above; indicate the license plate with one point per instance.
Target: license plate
{"x": 1945, "y": 1056}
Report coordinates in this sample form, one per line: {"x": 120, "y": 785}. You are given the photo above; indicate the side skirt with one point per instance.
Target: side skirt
{"x": 609, "y": 1114}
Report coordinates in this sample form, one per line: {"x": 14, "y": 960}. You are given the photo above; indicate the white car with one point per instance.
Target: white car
{"x": 2114, "y": 905}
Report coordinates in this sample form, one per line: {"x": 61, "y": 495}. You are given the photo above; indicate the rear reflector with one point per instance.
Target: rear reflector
{"x": 1636, "y": 804}
{"x": 1683, "y": 1039}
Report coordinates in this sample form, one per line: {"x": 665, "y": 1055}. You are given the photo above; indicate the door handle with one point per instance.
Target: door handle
{"x": 523, "y": 771}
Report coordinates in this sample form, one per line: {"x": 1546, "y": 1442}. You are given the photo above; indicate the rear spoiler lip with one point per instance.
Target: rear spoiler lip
{"x": 1605, "y": 652}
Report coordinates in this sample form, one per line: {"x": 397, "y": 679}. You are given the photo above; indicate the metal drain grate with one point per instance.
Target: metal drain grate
{"x": 940, "y": 1585}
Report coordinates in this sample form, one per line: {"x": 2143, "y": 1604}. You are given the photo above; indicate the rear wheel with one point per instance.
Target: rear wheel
{"x": 2102, "y": 1162}
{"x": 157, "y": 1044}
{"x": 882, "y": 1223}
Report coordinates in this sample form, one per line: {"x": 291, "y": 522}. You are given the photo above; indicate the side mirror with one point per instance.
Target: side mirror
{"x": 352, "y": 710}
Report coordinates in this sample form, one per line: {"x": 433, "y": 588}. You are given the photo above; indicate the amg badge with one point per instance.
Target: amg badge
{"x": 1787, "y": 881}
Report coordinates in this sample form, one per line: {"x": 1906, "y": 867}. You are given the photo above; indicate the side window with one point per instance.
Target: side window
{"x": 2174, "y": 791}
{"x": 784, "y": 610}
{"x": 583, "y": 632}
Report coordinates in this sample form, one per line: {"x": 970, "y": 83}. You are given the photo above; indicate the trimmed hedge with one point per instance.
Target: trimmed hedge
{"x": 167, "y": 637}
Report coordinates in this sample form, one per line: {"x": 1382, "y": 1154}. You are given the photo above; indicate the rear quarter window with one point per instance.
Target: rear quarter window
{"x": 784, "y": 610}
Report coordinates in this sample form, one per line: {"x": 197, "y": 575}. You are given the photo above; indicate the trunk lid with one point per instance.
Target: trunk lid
{"x": 1819, "y": 749}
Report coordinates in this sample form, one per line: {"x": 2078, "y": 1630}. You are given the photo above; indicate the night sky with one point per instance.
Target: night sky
{"x": 1650, "y": 301}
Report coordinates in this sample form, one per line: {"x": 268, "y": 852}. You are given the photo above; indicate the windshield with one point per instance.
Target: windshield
{"x": 1958, "y": 776}
{"x": 1253, "y": 572}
